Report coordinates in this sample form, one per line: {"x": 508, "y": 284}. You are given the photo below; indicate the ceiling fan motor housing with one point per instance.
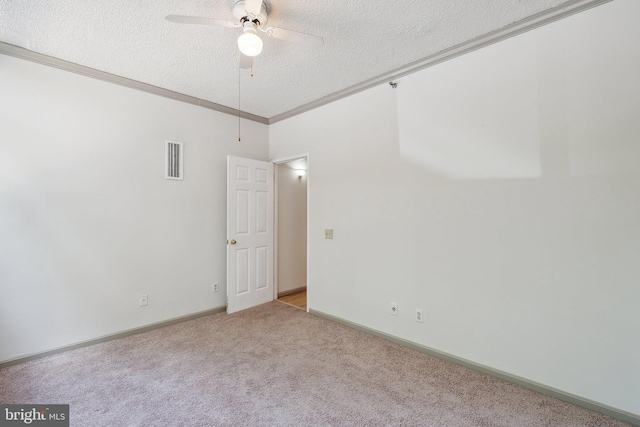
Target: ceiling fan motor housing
{"x": 240, "y": 14}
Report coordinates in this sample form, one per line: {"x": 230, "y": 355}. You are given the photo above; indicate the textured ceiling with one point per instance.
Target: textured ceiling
{"x": 363, "y": 39}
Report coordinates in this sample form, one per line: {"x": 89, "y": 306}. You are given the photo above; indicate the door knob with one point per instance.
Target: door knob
{"x": 233, "y": 242}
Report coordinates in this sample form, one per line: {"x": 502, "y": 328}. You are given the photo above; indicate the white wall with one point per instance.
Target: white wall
{"x": 88, "y": 222}
{"x": 523, "y": 256}
{"x": 292, "y": 228}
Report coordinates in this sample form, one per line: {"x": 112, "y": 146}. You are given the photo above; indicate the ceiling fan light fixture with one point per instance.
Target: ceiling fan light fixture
{"x": 249, "y": 42}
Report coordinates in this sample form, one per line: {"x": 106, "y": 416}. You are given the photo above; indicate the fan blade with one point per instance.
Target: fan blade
{"x": 295, "y": 37}
{"x": 253, "y": 6}
{"x": 246, "y": 62}
{"x": 182, "y": 19}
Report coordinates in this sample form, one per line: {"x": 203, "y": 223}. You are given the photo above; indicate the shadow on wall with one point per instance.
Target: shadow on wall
{"x": 539, "y": 103}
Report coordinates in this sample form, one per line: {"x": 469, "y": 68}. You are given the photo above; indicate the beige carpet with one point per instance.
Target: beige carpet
{"x": 274, "y": 365}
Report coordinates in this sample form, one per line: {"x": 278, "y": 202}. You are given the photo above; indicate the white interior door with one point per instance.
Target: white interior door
{"x": 249, "y": 233}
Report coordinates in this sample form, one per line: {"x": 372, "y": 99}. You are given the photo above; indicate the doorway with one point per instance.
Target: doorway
{"x": 291, "y": 220}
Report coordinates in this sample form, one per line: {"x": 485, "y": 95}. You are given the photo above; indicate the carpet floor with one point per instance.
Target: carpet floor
{"x": 274, "y": 365}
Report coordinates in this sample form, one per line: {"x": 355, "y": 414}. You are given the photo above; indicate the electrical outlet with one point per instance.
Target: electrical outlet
{"x": 394, "y": 309}
{"x": 328, "y": 233}
{"x": 216, "y": 287}
{"x": 419, "y": 315}
{"x": 144, "y": 300}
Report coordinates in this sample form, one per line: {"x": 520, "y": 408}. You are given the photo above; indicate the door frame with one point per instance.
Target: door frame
{"x": 276, "y": 254}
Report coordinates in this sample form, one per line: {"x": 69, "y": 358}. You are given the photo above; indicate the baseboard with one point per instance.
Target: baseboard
{"x": 291, "y": 291}
{"x": 592, "y": 405}
{"x": 105, "y": 338}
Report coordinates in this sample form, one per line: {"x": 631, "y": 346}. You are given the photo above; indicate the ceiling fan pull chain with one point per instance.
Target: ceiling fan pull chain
{"x": 238, "y": 104}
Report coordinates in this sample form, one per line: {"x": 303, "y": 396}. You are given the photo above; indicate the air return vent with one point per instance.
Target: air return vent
{"x": 173, "y": 154}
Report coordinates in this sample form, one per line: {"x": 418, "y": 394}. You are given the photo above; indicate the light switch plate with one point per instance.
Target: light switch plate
{"x": 328, "y": 233}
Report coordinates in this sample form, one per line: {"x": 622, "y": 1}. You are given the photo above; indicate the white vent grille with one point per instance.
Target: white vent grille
{"x": 173, "y": 154}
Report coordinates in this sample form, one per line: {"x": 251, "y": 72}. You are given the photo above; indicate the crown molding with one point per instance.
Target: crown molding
{"x": 18, "y": 52}
{"x": 543, "y": 18}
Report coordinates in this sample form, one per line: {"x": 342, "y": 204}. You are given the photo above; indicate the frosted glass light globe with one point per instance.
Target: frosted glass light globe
{"x": 250, "y": 44}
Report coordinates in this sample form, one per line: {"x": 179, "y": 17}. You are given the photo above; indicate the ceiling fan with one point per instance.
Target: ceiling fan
{"x": 251, "y": 16}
